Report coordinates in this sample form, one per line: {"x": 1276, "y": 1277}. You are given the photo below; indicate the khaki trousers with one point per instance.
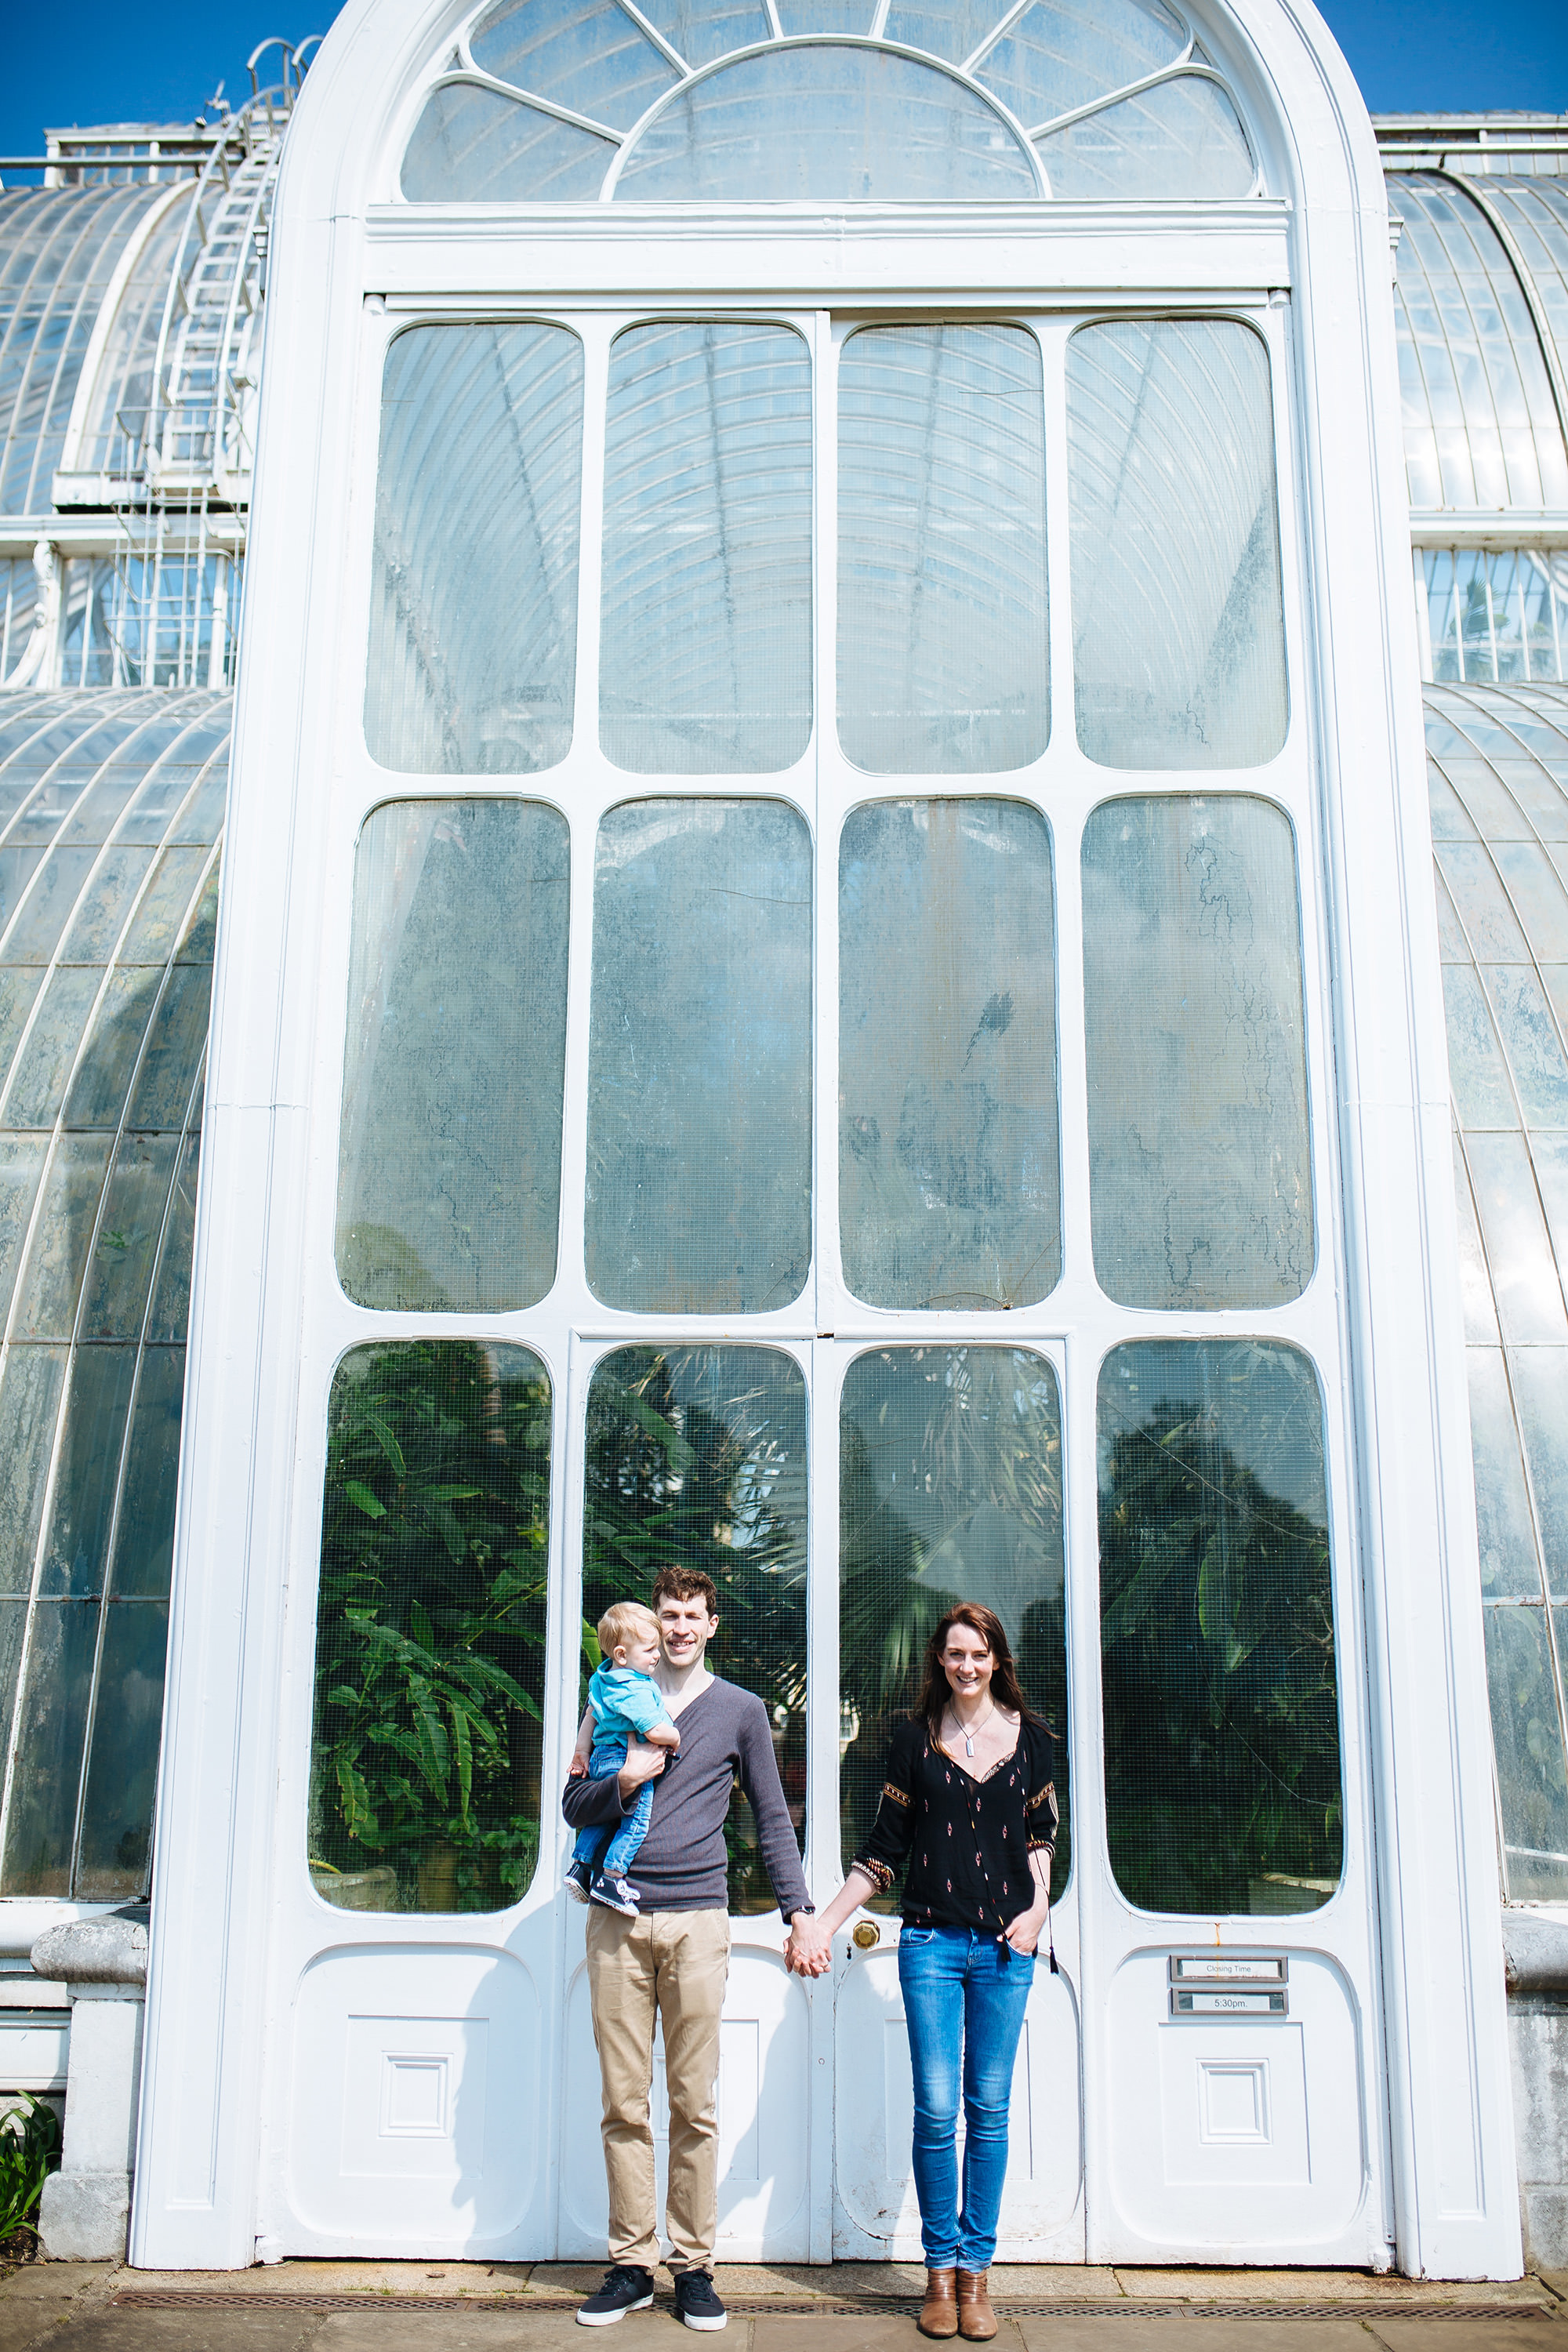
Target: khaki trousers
{"x": 672, "y": 1964}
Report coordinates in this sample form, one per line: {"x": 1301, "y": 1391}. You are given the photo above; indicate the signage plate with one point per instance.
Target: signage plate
{"x": 1221, "y": 2000}
{"x": 1228, "y": 1968}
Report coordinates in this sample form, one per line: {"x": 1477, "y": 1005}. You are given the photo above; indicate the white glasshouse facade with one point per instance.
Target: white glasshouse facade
{"x": 801, "y": 624}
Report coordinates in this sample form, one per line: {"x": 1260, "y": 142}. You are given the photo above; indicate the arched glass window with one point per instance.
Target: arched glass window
{"x": 828, "y": 101}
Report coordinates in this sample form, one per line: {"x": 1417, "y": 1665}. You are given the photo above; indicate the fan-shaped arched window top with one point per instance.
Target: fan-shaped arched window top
{"x": 827, "y": 100}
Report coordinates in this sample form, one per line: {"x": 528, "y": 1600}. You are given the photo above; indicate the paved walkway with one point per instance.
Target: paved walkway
{"x": 310, "y": 2306}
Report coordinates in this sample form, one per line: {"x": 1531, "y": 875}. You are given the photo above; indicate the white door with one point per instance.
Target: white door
{"x": 940, "y": 1099}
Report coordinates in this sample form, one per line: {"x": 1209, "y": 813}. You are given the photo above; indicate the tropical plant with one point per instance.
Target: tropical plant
{"x": 696, "y": 1458}
{"x": 950, "y": 1488}
{"x": 29, "y": 2152}
{"x": 1217, "y": 1642}
{"x": 431, "y": 1621}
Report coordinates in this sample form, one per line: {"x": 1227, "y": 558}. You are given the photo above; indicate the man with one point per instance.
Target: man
{"x": 670, "y": 1962}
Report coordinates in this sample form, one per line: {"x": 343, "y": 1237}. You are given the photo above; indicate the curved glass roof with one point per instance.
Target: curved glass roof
{"x": 1481, "y": 425}
{"x": 59, "y": 250}
{"x": 827, "y": 100}
{"x": 1498, "y": 763}
{"x": 110, "y": 811}
{"x": 1534, "y": 213}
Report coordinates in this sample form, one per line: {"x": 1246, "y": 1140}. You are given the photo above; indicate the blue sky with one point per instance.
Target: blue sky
{"x": 101, "y": 61}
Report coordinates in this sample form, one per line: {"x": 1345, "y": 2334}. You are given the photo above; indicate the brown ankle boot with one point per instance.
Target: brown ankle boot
{"x": 938, "y": 2312}
{"x": 976, "y": 2320}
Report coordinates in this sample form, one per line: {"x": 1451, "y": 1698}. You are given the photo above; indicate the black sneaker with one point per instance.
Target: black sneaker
{"x": 577, "y": 1876}
{"x": 615, "y": 1895}
{"x": 627, "y": 2287}
{"x": 696, "y": 2300}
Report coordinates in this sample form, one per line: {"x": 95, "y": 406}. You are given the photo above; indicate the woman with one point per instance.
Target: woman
{"x": 969, "y": 1805}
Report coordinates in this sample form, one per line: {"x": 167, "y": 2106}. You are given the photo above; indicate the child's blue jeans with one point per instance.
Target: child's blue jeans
{"x": 614, "y": 1850}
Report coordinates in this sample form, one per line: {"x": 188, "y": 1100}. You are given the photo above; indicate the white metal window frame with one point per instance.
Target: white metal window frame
{"x": 266, "y": 1328}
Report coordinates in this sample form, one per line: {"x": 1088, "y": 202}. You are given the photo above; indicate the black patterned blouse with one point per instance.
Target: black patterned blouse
{"x": 966, "y": 1842}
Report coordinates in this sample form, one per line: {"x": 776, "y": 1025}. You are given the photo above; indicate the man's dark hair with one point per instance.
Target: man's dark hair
{"x": 685, "y": 1584}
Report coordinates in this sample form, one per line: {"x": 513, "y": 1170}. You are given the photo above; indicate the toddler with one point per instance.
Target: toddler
{"x": 623, "y": 1705}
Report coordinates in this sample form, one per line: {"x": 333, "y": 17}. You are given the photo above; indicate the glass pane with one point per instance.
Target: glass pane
{"x": 62, "y": 1238}
{"x": 1199, "y": 1163}
{"x": 161, "y": 917}
{"x": 1509, "y": 1567}
{"x": 1530, "y": 1039}
{"x": 21, "y": 1165}
{"x": 1222, "y": 1745}
{"x": 449, "y": 1159}
{"x": 171, "y": 1295}
{"x": 705, "y": 30}
{"x": 827, "y": 15}
{"x": 17, "y": 990}
{"x": 699, "y": 1058}
{"x": 1538, "y": 1377}
{"x": 29, "y": 1401}
{"x": 144, "y": 1539}
{"x": 949, "y": 1468}
{"x": 114, "y": 1298}
{"x": 949, "y": 1190}
{"x": 101, "y": 912}
{"x": 102, "y": 1078}
{"x": 50, "y": 1730}
{"x": 1063, "y": 54}
{"x": 35, "y": 933}
{"x": 38, "y": 1081}
{"x": 92, "y": 1436}
{"x": 473, "y": 146}
{"x": 175, "y": 1046}
{"x": 112, "y": 1866}
{"x": 1178, "y": 614}
{"x": 425, "y": 1782}
{"x": 1181, "y": 142}
{"x": 473, "y": 633}
{"x": 1527, "y": 1739}
{"x": 827, "y": 125}
{"x": 706, "y": 655}
{"x": 1478, "y": 1073}
{"x": 942, "y": 662}
{"x": 696, "y": 1458}
{"x": 586, "y": 55}
{"x": 1525, "y": 1284}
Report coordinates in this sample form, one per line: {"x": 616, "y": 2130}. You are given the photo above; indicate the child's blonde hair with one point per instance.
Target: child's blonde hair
{"x": 620, "y": 1622}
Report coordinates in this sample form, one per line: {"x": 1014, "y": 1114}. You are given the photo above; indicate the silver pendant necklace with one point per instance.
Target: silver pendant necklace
{"x": 968, "y": 1737}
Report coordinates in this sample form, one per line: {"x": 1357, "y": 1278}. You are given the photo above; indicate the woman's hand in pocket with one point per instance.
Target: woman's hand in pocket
{"x": 1025, "y": 1932}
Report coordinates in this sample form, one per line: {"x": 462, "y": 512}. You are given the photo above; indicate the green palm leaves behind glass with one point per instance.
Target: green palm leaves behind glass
{"x": 696, "y": 1458}
{"x": 430, "y": 1630}
{"x": 950, "y": 1470}
{"x": 1222, "y": 1746}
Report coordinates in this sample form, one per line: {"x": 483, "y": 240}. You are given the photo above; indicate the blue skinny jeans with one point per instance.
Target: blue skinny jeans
{"x": 614, "y": 1850}
{"x": 963, "y": 1992}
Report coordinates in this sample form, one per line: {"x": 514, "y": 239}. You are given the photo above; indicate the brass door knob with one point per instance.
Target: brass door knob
{"x": 867, "y": 1935}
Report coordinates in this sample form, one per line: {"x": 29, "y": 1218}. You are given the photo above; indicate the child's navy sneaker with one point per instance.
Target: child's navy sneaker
{"x": 615, "y": 1895}
{"x": 627, "y": 2287}
{"x": 696, "y": 2300}
{"x": 578, "y": 1876}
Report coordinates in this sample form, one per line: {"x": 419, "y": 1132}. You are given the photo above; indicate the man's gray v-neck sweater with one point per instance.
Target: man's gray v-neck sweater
{"x": 681, "y": 1864}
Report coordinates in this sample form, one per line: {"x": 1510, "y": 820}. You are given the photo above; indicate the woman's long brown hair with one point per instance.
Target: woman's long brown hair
{"x": 935, "y": 1689}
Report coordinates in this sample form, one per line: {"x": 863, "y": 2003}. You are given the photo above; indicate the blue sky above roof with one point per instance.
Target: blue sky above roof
{"x": 97, "y": 62}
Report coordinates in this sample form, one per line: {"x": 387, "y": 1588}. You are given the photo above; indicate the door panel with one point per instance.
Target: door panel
{"x": 1258, "y": 2153}
{"x": 764, "y": 2087}
{"x": 876, "y": 2215}
{"x": 411, "y": 2067}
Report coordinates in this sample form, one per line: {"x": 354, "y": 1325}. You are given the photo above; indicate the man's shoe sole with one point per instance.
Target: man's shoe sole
{"x": 708, "y": 2324}
{"x": 609, "y": 2318}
